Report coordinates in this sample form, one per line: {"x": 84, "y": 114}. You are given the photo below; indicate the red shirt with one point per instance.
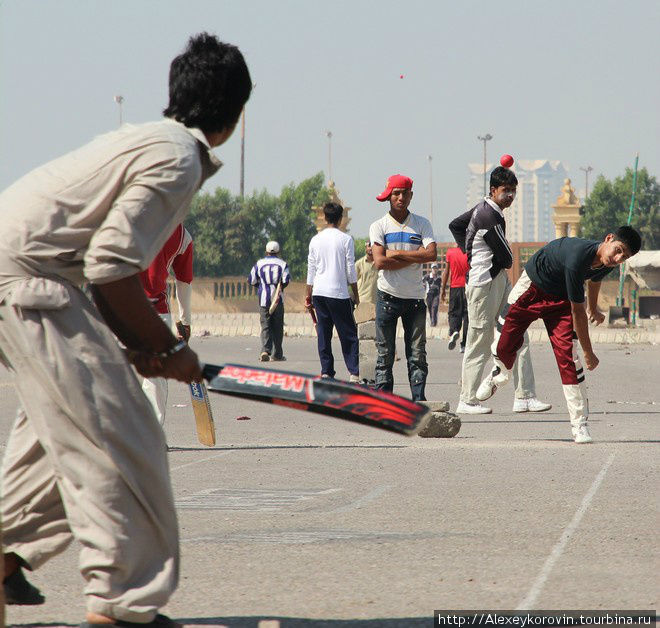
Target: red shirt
{"x": 177, "y": 254}
{"x": 458, "y": 267}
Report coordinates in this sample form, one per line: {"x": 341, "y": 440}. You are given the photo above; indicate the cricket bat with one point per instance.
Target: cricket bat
{"x": 331, "y": 397}
{"x": 276, "y": 297}
{"x": 203, "y": 414}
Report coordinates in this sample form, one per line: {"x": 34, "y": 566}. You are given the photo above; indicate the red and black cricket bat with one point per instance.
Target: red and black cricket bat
{"x": 332, "y": 397}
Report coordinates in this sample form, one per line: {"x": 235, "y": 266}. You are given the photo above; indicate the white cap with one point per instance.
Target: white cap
{"x": 272, "y": 247}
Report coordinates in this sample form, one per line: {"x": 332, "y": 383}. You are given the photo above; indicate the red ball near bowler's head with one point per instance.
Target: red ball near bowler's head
{"x": 506, "y": 161}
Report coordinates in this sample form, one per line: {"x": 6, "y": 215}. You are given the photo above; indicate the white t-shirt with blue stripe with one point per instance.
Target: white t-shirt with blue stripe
{"x": 415, "y": 231}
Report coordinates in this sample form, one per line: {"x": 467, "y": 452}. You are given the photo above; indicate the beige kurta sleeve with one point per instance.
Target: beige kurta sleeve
{"x": 142, "y": 217}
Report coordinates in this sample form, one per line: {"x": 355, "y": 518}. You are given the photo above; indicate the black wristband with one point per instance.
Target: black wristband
{"x": 182, "y": 344}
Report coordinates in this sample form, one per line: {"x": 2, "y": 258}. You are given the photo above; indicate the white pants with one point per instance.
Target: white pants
{"x": 155, "y": 388}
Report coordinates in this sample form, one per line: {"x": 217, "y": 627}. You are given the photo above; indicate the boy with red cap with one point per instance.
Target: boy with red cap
{"x": 401, "y": 242}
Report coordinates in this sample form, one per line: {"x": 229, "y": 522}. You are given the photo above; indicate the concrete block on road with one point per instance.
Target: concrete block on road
{"x": 436, "y": 406}
{"x": 367, "y": 331}
{"x": 365, "y": 312}
{"x": 441, "y": 425}
{"x": 367, "y": 369}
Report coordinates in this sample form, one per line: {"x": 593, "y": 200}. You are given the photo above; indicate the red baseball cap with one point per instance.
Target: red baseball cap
{"x": 395, "y": 181}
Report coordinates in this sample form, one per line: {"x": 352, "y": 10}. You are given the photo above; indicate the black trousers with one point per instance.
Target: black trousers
{"x": 432, "y": 303}
{"x": 336, "y": 313}
{"x": 458, "y": 312}
{"x": 272, "y": 330}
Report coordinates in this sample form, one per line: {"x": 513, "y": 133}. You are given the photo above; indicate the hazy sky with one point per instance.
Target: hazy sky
{"x": 570, "y": 80}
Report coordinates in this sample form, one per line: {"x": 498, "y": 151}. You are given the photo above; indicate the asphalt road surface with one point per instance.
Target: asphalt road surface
{"x": 308, "y": 520}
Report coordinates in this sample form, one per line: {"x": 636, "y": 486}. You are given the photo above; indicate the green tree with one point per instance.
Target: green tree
{"x": 360, "y": 247}
{"x": 294, "y": 221}
{"x": 230, "y": 232}
{"x": 609, "y": 202}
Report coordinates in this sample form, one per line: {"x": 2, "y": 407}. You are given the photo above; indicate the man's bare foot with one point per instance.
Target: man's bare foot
{"x": 93, "y": 618}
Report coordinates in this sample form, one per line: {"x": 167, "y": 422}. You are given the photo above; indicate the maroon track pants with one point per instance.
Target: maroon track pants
{"x": 532, "y": 304}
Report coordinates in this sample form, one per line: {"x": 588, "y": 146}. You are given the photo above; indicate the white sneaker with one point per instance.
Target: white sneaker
{"x": 453, "y": 339}
{"x": 581, "y": 434}
{"x": 264, "y": 357}
{"x": 354, "y": 379}
{"x": 487, "y": 388}
{"x": 530, "y": 405}
{"x": 472, "y": 408}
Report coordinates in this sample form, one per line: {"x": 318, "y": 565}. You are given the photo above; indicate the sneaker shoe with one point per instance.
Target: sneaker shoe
{"x": 581, "y": 434}
{"x": 472, "y": 408}
{"x": 264, "y": 357}
{"x": 354, "y": 379}
{"x": 453, "y": 339}
{"x": 487, "y": 388}
{"x": 535, "y": 405}
{"x": 280, "y": 359}
{"x": 325, "y": 376}
{"x": 462, "y": 348}
{"x": 20, "y": 592}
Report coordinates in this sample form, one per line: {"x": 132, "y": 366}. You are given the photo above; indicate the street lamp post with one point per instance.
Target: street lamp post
{"x": 586, "y": 171}
{"x": 485, "y": 139}
{"x": 430, "y": 158}
{"x": 119, "y": 99}
{"x": 242, "y": 186}
{"x": 328, "y": 134}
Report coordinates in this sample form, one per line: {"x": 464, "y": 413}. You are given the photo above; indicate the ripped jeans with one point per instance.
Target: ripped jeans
{"x": 412, "y": 313}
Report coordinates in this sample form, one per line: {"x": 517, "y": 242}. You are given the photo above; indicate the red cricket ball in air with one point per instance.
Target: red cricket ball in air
{"x": 506, "y": 161}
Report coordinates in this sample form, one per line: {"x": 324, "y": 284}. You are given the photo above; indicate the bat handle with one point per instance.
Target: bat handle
{"x": 209, "y": 371}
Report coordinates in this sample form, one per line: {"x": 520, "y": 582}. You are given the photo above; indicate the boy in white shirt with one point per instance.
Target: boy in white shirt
{"x": 330, "y": 268}
{"x": 401, "y": 242}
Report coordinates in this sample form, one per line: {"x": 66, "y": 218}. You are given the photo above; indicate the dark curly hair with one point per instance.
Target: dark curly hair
{"x": 209, "y": 84}
{"x": 630, "y": 237}
{"x": 502, "y": 176}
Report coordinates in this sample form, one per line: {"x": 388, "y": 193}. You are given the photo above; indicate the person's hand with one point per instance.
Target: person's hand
{"x": 443, "y": 296}
{"x": 356, "y": 300}
{"x": 183, "y": 331}
{"x": 391, "y": 253}
{"x": 183, "y": 366}
{"x": 595, "y": 316}
{"x": 308, "y": 304}
{"x": 146, "y": 364}
{"x": 591, "y": 360}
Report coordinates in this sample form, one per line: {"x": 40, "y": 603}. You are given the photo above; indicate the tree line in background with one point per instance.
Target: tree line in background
{"x": 230, "y": 232}
{"x": 609, "y": 202}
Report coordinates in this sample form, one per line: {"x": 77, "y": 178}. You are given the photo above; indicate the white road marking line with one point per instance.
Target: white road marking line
{"x": 557, "y": 550}
{"x": 358, "y": 503}
{"x": 187, "y": 464}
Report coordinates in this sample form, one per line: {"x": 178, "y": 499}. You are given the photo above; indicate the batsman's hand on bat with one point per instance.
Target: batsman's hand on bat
{"x": 183, "y": 331}
{"x": 182, "y": 365}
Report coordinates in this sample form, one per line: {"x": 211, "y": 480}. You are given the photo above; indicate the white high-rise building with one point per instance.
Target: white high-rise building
{"x": 529, "y": 219}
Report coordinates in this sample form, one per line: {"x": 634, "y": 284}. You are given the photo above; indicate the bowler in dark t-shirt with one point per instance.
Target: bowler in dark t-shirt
{"x": 561, "y": 267}
{"x": 552, "y": 288}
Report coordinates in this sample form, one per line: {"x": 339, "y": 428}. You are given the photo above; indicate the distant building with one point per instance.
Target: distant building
{"x": 540, "y": 182}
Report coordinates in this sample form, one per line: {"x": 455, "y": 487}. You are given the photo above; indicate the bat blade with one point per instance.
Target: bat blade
{"x": 331, "y": 397}
{"x": 203, "y": 415}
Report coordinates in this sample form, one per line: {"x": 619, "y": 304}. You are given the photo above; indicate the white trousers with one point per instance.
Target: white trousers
{"x": 155, "y": 388}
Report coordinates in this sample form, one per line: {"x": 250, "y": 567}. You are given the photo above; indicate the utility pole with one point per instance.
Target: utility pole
{"x": 242, "y": 187}
{"x": 328, "y": 134}
{"x": 430, "y": 158}
{"x": 485, "y": 139}
{"x": 119, "y": 99}
{"x": 586, "y": 171}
